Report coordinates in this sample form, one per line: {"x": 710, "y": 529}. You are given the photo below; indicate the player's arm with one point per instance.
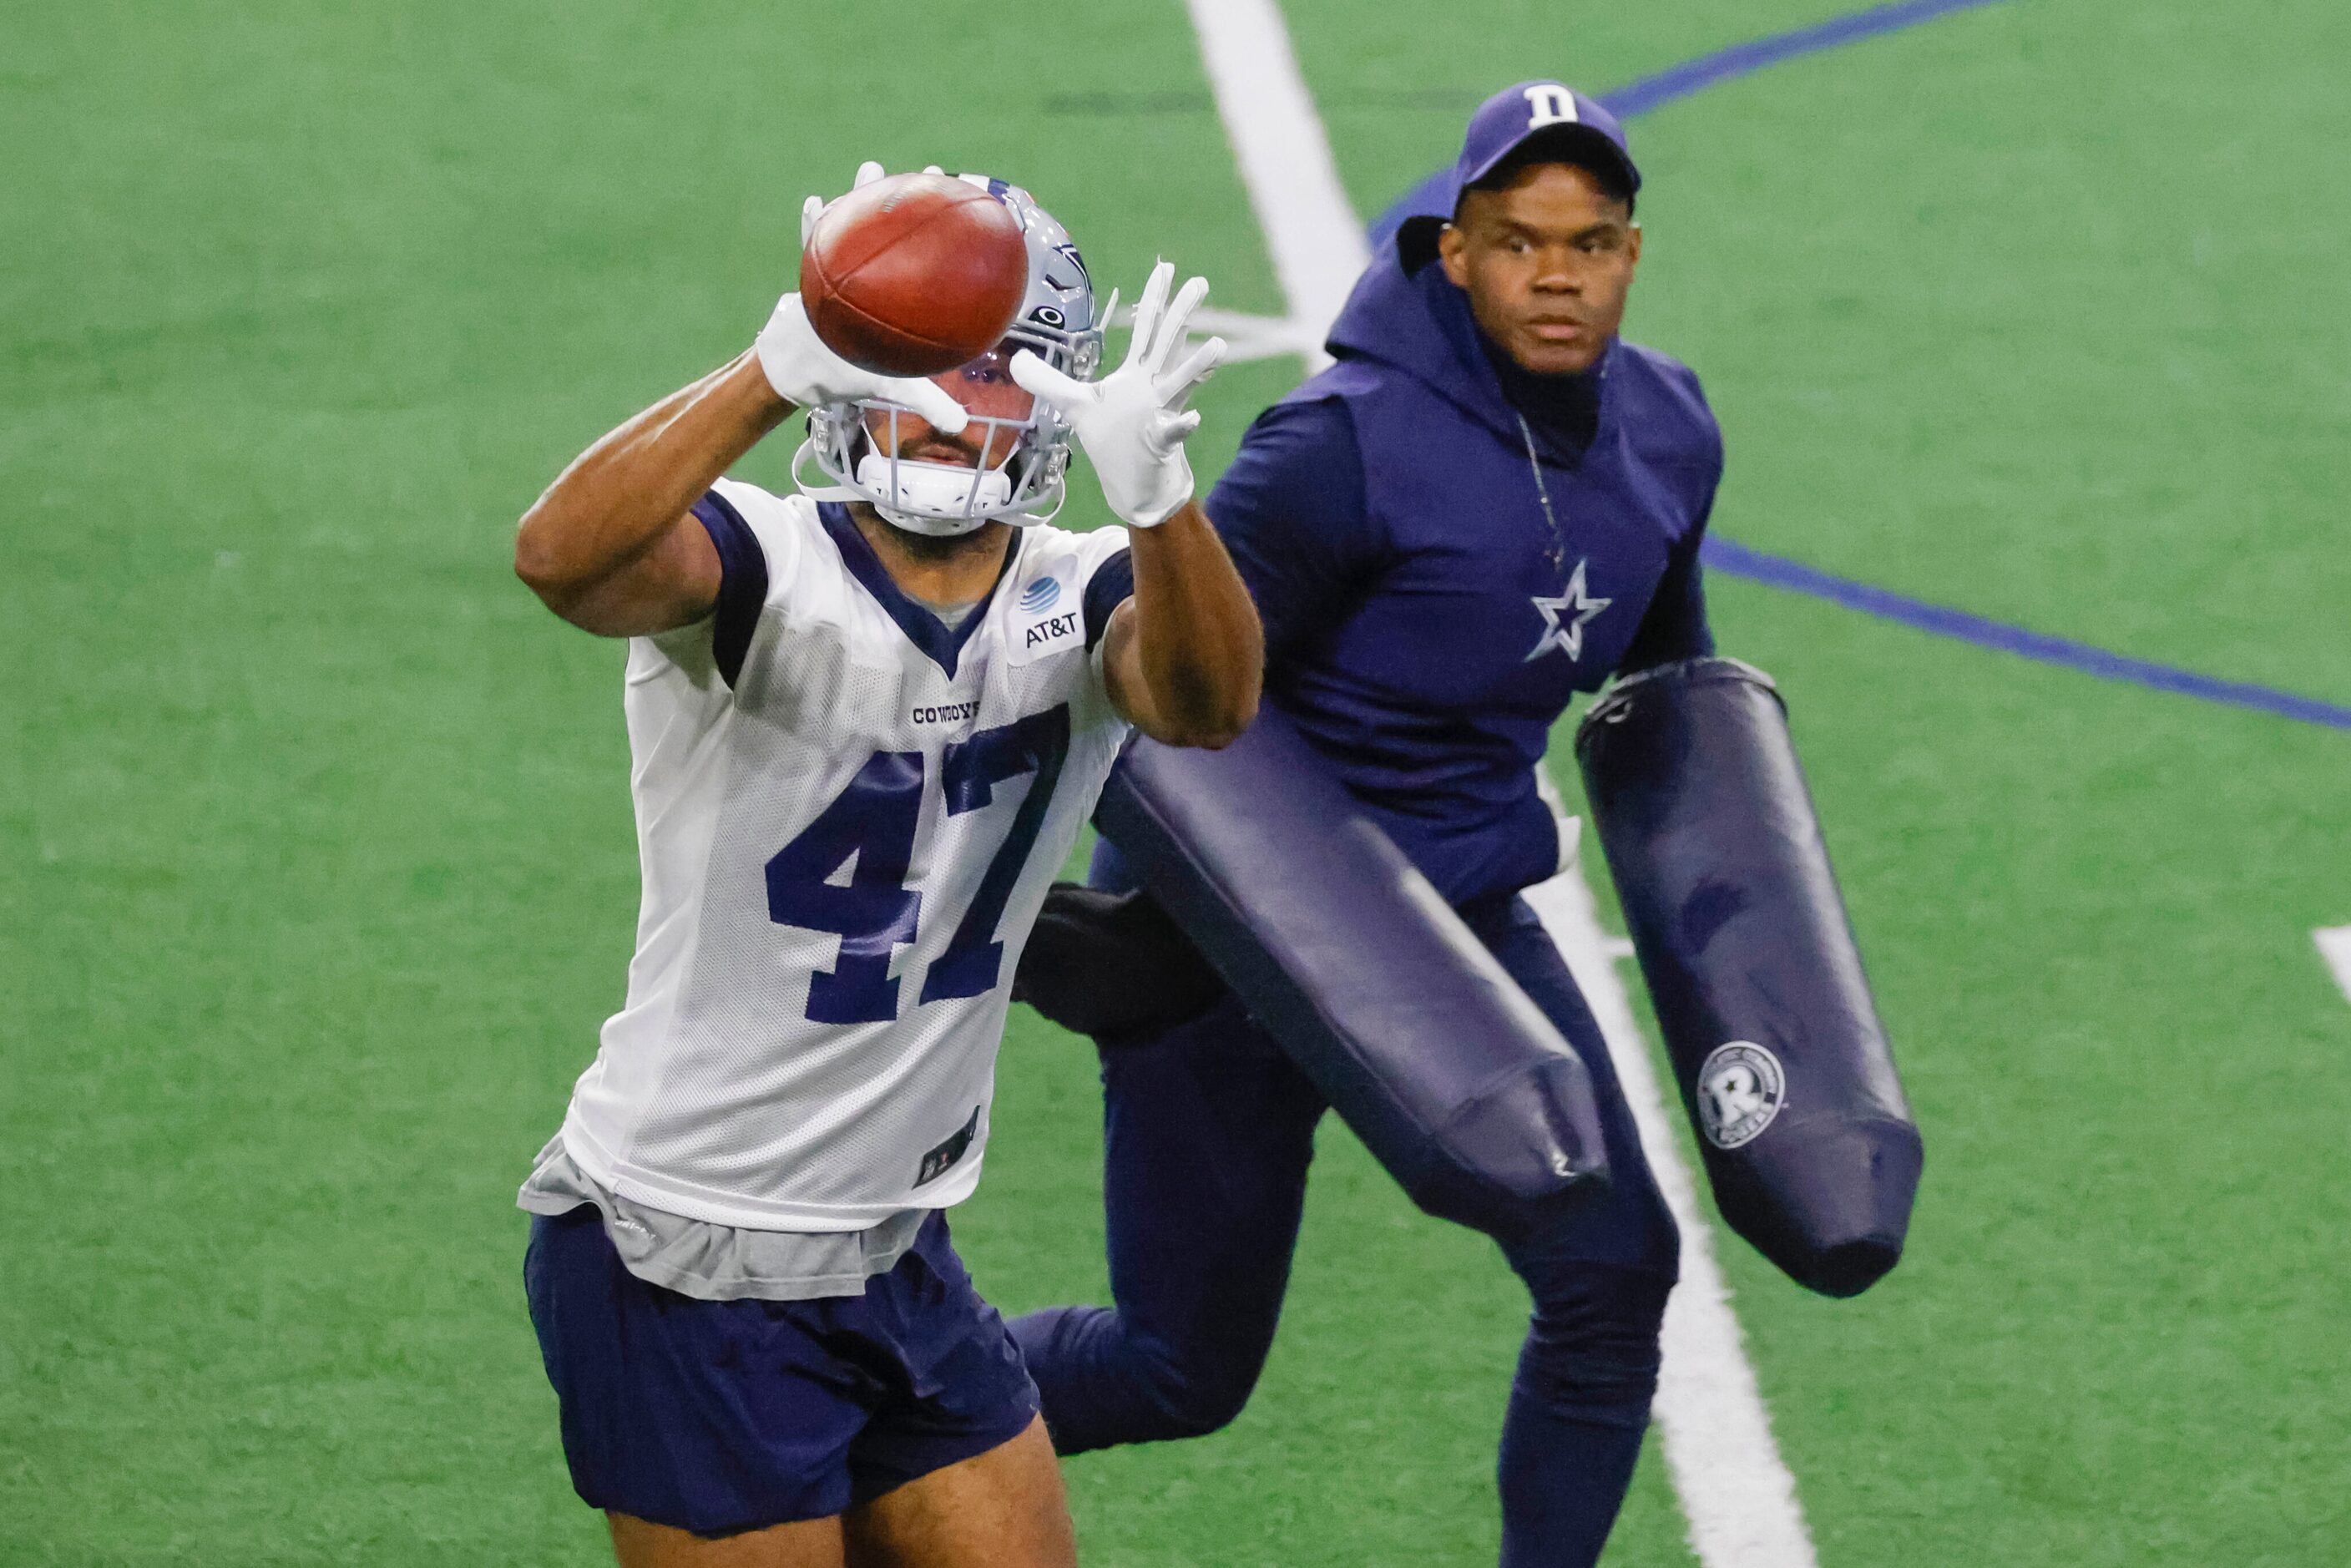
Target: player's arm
{"x": 1183, "y": 658}
{"x": 612, "y": 546}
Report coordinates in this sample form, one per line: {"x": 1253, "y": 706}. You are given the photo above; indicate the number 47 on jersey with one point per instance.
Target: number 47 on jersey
{"x": 875, "y": 913}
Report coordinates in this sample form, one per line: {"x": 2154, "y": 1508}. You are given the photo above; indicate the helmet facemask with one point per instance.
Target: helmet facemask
{"x": 871, "y": 450}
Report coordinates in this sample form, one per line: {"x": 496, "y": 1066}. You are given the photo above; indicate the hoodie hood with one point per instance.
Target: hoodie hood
{"x": 1412, "y": 320}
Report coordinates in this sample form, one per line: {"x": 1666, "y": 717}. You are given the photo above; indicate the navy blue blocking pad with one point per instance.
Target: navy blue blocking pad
{"x": 922, "y": 628}
{"x": 1112, "y": 585}
{"x": 742, "y": 582}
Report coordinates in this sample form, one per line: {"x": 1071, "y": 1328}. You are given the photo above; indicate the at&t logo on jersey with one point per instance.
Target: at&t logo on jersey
{"x": 1044, "y": 625}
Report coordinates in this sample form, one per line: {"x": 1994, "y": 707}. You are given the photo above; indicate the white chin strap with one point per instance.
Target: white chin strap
{"x": 936, "y": 498}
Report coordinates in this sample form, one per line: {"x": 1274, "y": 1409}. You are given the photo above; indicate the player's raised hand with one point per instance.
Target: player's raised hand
{"x": 1132, "y": 421}
{"x": 804, "y": 371}
{"x": 813, "y": 208}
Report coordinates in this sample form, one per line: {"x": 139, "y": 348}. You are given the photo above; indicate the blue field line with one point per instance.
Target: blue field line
{"x": 1696, "y": 76}
{"x": 1734, "y": 560}
{"x": 1432, "y": 197}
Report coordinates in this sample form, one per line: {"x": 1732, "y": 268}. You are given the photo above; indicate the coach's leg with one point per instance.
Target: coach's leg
{"x": 1580, "y": 1401}
{"x": 1206, "y": 1133}
{"x": 1002, "y": 1508}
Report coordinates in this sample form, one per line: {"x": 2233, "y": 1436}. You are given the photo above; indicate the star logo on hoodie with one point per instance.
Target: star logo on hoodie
{"x": 1565, "y": 618}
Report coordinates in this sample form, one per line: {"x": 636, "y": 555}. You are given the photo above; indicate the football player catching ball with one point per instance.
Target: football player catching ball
{"x": 866, "y": 722}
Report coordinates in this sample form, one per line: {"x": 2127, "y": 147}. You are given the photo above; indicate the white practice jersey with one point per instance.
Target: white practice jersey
{"x": 844, "y": 847}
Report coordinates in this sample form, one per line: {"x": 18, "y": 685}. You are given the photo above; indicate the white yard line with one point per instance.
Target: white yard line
{"x": 2334, "y": 946}
{"x": 1738, "y": 1495}
{"x": 1246, "y": 336}
{"x": 1285, "y": 161}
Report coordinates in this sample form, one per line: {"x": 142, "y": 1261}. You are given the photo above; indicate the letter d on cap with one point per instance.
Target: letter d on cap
{"x": 1548, "y": 103}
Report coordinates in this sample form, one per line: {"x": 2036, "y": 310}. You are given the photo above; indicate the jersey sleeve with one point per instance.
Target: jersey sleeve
{"x": 759, "y": 552}
{"x": 1293, "y": 514}
{"x": 742, "y": 582}
{"x": 1107, "y": 581}
{"x": 1112, "y": 585}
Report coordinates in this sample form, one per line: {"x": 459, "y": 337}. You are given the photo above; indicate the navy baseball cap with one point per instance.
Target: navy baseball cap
{"x": 1547, "y": 110}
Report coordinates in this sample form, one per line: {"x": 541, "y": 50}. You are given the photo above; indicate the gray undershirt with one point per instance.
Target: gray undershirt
{"x": 951, "y": 616}
{"x": 715, "y": 1262}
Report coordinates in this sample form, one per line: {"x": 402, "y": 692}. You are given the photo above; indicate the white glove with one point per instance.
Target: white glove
{"x": 1132, "y": 423}
{"x": 805, "y": 373}
{"x": 813, "y": 208}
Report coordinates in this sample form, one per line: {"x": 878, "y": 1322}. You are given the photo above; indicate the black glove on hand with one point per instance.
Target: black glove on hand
{"x": 1112, "y": 964}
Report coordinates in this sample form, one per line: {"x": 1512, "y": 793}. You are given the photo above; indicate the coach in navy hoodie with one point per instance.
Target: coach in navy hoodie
{"x": 1488, "y": 504}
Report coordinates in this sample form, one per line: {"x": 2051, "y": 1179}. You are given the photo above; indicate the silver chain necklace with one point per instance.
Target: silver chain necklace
{"x": 1558, "y": 551}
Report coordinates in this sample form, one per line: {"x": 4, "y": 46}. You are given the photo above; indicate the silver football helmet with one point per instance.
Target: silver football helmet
{"x": 1022, "y": 457}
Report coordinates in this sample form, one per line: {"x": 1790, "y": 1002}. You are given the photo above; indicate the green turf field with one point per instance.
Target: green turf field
{"x": 319, "y": 867}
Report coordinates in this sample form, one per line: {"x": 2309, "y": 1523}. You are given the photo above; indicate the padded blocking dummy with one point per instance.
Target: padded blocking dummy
{"x": 1742, "y": 933}
{"x": 1452, "y": 1077}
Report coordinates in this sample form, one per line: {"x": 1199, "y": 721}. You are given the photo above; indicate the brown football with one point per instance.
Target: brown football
{"x": 913, "y": 274}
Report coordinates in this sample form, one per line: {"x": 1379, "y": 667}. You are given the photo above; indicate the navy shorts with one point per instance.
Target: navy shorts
{"x": 723, "y": 1417}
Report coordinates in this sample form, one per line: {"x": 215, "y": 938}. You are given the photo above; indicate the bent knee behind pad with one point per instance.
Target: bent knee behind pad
{"x": 1592, "y": 1351}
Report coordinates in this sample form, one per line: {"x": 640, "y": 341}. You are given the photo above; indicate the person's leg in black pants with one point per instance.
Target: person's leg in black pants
{"x": 1207, "y": 1131}
{"x": 1580, "y": 1401}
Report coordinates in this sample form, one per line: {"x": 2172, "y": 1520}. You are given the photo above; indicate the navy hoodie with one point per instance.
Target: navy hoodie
{"x": 1427, "y": 622}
